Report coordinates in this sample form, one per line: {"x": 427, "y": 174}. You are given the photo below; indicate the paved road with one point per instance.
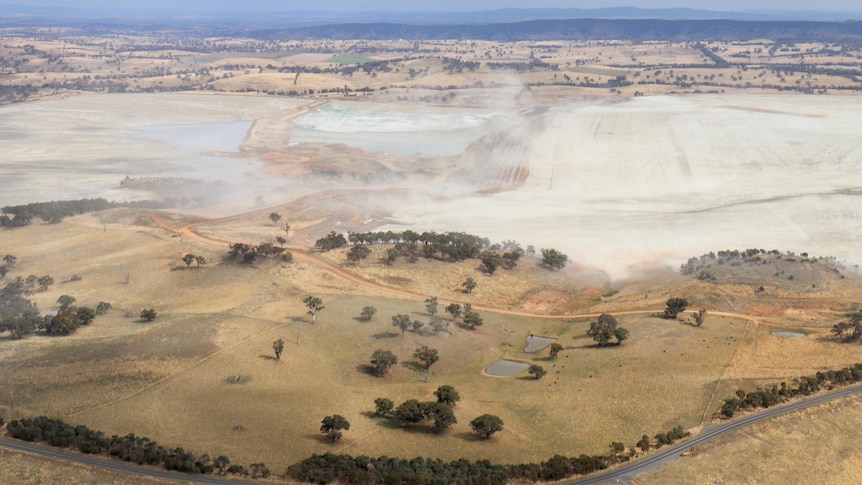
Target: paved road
{"x": 629, "y": 471}
{"x": 115, "y": 465}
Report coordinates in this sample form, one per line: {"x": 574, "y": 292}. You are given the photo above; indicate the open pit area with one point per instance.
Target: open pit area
{"x": 616, "y": 185}
{"x": 628, "y": 180}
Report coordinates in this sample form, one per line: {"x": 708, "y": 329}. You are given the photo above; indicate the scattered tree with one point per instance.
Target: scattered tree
{"x": 410, "y": 411}
{"x": 555, "y": 349}
{"x": 314, "y": 305}
{"x": 274, "y": 217}
{"x": 382, "y": 360}
{"x": 454, "y": 309}
{"x": 65, "y": 302}
{"x": 438, "y": 324}
{"x": 431, "y": 305}
{"x": 447, "y": 395}
{"x": 9, "y": 260}
{"x": 554, "y": 259}
{"x": 383, "y": 406}
{"x": 472, "y": 320}
{"x": 331, "y": 426}
{"x": 491, "y": 261}
{"x": 280, "y": 240}
{"x": 486, "y": 425}
{"x": 368, "y": 313}
{"x": 698, "y": 317}
{"x": 674, "y": 307}
{"x": 102, "y": 308}
{"x": 148, "y": 314}
{"x": 200, "y": 260}
{"x": 644, "y": 443}
{"x": 358, "y": 253}
{"x": 188, "y": 258}
{"x": 86, "y": 315}
{"x": 402, "y": 322}
{"x": 441, "y": 414}
{"x": 537, "y": 371}
{"x": 605, "y": 328}
{"x": 278, "y": 347}
{"x": 469, "y": 285}
{"x": 44, "y": 282}
{"x": 426, "y": 355}
{"x": 391, "y": 256}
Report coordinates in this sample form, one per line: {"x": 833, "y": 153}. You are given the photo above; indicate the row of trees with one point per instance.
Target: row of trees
{"x": 56, "y": 211}
{"x": 247, "y": 253}
{"x": 779, "y": 393}
{"x": 131, "y": 448}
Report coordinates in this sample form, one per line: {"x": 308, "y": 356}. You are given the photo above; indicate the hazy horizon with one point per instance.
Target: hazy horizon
{"x": 437, "y": 6}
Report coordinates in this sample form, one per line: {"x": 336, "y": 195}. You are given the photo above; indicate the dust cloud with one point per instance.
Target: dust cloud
{"x": 619, "y": 186}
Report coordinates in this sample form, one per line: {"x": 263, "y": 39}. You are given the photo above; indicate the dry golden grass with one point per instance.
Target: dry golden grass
{"x": 26, "y": 469}
{"x": 814, "y": 445}
{"x": 169, "y": 379}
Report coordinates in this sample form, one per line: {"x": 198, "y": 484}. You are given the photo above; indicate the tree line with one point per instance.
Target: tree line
{"x": 56, "y": 211}
{"x": 779, "y": 393}
{"x": 131, "y": 448}
{"x": 448, "y": 246}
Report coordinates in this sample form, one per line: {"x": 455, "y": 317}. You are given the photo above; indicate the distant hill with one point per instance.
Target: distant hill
{"x": 625, "y": 23}
{"x": 588, "y": 29}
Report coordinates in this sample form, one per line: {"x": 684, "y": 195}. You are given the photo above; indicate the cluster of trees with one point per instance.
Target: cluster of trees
{"x": 190, "y": 258}
{"x": 56, "y": 211}
{"x": 403, "y": 322}
{"x": 660, "y": 439}
{"x": 491, "y": 259}
{"x": 69, "y": 318}
{"x": 439, "y": 412}
{"x": 449, "y": 246}
{"x": 700, "y": 267}
{"x": 20, "y": 317}
{"x": 779, "y": 393}
{"x": 412, "y": 411}
{"x": 469, "y": 318}
{"x": 383, "y": 360}
{"x": 247, "y": 253}
{"x": 333, "y": 240}
{"x": 142, "y": 451}
{"x": 850, "y": 330}
{"x": 554, "y": 259}
{"x": 606, "y": 328}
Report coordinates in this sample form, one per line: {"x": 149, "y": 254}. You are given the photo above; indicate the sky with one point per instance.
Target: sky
{"x": 442, "y": 5}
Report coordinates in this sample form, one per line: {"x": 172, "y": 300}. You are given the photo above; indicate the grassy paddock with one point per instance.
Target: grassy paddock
{"x": 348, "y": 59}
{"x": 779, "y": 450}
{"x": 660, "y": 378}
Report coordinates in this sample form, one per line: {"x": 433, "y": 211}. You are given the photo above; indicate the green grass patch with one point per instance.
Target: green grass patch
{"x": 598, "y": 71}
{"x": 345, "y": 59}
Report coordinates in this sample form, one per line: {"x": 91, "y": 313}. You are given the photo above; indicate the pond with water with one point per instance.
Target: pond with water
{"x": 789, "y": 334}
{"x": 536, "y": 343}
{"x": 503, "y": 368}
